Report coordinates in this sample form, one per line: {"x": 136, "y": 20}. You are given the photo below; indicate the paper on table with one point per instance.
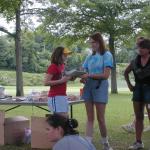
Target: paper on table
{"x": 75, "y": 73}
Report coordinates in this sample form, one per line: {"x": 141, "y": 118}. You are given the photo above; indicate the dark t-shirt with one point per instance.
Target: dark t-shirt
{"x": 141, "y": 73}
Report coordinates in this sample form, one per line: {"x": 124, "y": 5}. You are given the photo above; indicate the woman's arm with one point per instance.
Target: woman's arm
{"x": 126, "y": 75}
{"x": 104, "y": 75}
{"x": 49, "y": 82}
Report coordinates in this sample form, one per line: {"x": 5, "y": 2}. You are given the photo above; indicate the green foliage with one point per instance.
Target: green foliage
{"x": 75, "y": 61}
{"x": 144, "y": 20}
{"x": 36, "y": 52}
{"x": 8, "y": 9}
{"x": 7, "y": 56}
{"x": 125, "y": 55}
{"x": 116, "y": 19}
{"x": 84, "y": 17}
{"x": 8, "y": 78}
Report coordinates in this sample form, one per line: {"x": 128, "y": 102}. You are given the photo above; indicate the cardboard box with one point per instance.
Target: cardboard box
{"x": 39, "y": 139}
{"x": 12, "y": 129}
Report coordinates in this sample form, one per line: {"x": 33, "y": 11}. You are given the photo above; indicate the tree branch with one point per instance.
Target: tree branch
{"x": 2, "y": 29}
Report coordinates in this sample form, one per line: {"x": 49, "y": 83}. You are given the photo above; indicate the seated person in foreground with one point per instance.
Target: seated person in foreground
{"x": 62, "y": 133}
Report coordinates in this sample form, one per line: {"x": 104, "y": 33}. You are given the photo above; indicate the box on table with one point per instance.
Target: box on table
{"x": 39, "y": 139}
{"x": 12, "y": 129}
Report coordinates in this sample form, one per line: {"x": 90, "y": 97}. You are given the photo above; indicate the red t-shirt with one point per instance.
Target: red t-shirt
{"x": 57, "y": 72}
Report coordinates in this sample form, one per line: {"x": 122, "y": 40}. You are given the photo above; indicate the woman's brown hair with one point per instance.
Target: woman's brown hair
{"x": 56, "y": 57}
{"x": 98, "y": 38}
{"x": 145, "y": 44}
{"x": 68, "y": 125}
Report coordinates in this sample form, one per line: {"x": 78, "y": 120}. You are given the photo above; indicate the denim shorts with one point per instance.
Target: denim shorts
{"x": 95, "y": 91}
{"x": 58, "y": 104}
{"x": 141, "y": 93}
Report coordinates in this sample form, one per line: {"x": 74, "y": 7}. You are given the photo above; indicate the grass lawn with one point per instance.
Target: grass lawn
{"x": 119, "y": 111}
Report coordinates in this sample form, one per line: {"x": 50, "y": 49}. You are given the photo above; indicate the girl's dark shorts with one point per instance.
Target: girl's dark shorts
{"x": 141, "y": 93}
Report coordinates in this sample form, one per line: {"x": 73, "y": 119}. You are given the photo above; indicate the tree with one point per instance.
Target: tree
{"x": 9, "y": 10}
{"x": 13, "y": 10}
{"x": 78, "y": 19}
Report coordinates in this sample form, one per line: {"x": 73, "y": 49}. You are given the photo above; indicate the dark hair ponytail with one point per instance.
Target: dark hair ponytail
{"x": 70, "y": 125}
{"x": 67, "y": 125}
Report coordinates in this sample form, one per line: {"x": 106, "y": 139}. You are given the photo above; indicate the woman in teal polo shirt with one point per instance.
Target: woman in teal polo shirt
{"x": 95, "y": 92}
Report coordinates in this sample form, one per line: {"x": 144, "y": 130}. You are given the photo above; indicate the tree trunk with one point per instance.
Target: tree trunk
{"x": 113, "y": 72}
{"x": 19, "y": 76}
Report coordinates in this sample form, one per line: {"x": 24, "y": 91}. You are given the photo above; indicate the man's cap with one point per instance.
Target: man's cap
{"x": 67, "y": 51}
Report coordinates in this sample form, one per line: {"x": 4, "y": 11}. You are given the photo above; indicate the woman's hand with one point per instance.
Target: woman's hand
{"x": 131, "y": 87}
{"x": 83, "y": 80}
{"x": 85, "y": 76}
{"x": 73, "y": 78}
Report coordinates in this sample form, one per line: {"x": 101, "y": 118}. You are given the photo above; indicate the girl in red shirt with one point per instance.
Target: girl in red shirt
{"x": 55, "y": 78}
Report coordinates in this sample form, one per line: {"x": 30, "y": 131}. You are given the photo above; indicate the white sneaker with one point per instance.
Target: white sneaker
{"x": 129, "y": 128}
{"x": 106, "y": 146}
{"x": 136, "y": 146}
{"x": 89, "y": 138}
